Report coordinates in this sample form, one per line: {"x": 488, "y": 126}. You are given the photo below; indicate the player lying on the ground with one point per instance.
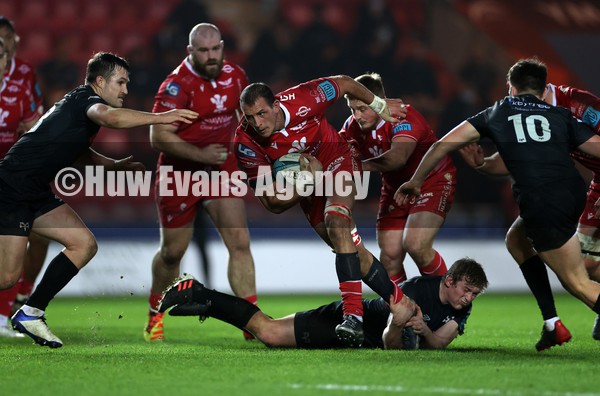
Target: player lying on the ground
{"x": 444, "y": 304}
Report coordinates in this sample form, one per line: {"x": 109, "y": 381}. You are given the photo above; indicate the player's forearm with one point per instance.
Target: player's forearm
{"x": 492, "y": 166}
{"x": 431, "y": 340}
{"x": 91, "y": 157}
{"x": 276, "y": 205}
{"x": 434, "y": 155}
{"x": 382, "y": 163}
{"x": 122, "y": 118}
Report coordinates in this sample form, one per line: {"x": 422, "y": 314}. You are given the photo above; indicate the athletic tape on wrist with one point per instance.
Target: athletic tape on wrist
{"x": 378, "y": 105}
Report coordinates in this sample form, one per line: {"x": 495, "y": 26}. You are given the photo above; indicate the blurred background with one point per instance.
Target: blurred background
{"x": 447, "y": 58}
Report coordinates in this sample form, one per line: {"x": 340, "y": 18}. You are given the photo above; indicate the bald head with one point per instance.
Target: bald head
{"x": 204, "y": 31}
{"x": 206, "y": 50}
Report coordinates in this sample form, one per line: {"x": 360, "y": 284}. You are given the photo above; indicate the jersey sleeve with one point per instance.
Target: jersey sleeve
{"x": 480, "y": 121}
{"x": 411, "y": 127}
{"x": 251, "y": 160}
{"x": 170, "y": 96}
{"x": 581, "y": 133}
{"x": 584, "y": 105}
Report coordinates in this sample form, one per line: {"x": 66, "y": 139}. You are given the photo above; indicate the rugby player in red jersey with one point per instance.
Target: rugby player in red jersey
{"x": 210, "y": 85}
{"x": 22, "y": 74}
{"x": 16, "y": 109}
{"x": 395, "y": 150}
{"x": 294, "y": 121}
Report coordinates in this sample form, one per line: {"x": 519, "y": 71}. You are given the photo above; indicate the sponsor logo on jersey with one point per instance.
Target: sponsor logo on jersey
{"x": 3, "y": 116}
{"x": 24, "y": 69}
{"x": 173, "y": 89}
{"x": 591, "y": 116}
{"x": 19, "y": 82}
{"x": 24, "y": 225}
{"x": 10, "y": 100}
{"x": 227, "y": 69}
{"x": 168, "y": 105}
{"x": 219, "y": 102}
{"x": 12, "y": 88}
{"x": 303, "y": 111}
{"x": 246, "y": 151}
{"x": 590, "y": 216}
{"x": 298, "y": 127}
{"x": 226, "y": 83}
{"x": 274, "y": 145}
{"x": 328, "y": 90}
{"x": 402, "y": 127}
{"x": 285, "y": 97}
{"x": 298, "y": 145}
{"x": 375, "y": 151}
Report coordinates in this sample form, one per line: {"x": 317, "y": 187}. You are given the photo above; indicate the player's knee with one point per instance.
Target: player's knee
{"x": 8, "y": 279}
{"x": 171, "y": 255}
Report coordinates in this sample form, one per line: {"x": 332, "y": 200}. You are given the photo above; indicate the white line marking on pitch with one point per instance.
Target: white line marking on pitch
{"x": 440, "y": 390}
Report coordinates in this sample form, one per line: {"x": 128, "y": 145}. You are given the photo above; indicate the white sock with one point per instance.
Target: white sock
{"x": 3, "y": 320}
{"x": 550, "y": 323}
{"x": 31, "y": 311}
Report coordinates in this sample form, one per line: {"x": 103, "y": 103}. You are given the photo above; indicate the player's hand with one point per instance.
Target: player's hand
{"x": 418, "y": 323}
{"x": 126, "y": 164}
{"x": 406, "y": 191}
{"x": 213, "y": 154}
{"x": 178, "y": 115}
{"x": 310, "y": 163}
{"x": 394, "y": 111}
{"x": 402, "y": 311}
{"x": 473, "y": 155}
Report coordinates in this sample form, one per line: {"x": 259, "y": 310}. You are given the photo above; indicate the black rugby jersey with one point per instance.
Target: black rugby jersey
{"x": 424, "y": 290}
{"x": 56, "y": 141}
{"x": 533, "y": 138}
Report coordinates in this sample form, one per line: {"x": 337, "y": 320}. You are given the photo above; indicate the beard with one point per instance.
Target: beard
{"x": 211, "y": 69}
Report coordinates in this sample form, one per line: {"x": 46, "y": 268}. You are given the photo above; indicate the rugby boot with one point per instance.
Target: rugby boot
{"x": 558, "y": 336}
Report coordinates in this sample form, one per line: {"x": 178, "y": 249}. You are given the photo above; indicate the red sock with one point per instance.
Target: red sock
{"x": 154, "y": 300}
{"x": 252, "y": 299}
{"x": 436, "y": 267}
{"x": 7, "y": 298}
{"x": 352, "y": 297}
{"x": 398, "y": 294}
{"x": 399, "y": 277}
{"x": 25, "y": 287}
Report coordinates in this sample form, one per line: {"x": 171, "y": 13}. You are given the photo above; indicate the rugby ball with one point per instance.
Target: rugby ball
{"x": 289, "y": 167}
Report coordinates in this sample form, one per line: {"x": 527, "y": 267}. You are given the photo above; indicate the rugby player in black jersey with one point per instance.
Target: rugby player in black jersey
{"x": 534, "y": 139}
{"x": 444, "y": 304}
{"x": 62, "y": 138}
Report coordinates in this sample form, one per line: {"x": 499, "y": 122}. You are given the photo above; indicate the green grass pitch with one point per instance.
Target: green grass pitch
{"x": 105, "y": 354}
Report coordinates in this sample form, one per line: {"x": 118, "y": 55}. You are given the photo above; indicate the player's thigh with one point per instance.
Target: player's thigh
{"x": 567, "y": 262}
{"x": 229, "y": 217}
{"x": 63, "y": 225}
{"x": 421, "y": 229}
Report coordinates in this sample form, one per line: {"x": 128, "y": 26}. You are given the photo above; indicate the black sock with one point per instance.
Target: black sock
{"x": 233, "y": 310}
{"x": 60, "y": 271}
{"x": 378, "y": 280}
{"x": 597, "y": 305}
{"x": 536, "y": 275}
{"x": 347, "y": 267}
